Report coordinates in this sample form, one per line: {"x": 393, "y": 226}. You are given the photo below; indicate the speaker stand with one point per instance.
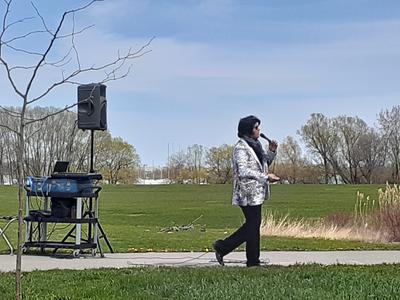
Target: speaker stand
{"x": 90, "y": 212}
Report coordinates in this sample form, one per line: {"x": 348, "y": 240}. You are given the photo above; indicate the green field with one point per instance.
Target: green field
{"x": 133, "y": 216}
{"x": 297, "y": 282}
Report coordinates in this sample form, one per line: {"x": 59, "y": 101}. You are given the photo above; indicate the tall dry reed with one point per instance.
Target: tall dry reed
{"x": 389, "y": 212}
{"x": 275, "y": 225}
{"x": 372, "y": 221}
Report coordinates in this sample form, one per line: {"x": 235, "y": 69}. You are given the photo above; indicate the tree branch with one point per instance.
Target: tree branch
{"x": 118, "y": 63}
{"x": 18, "y": 21}
{"x": 51, "y": 114}
{"x": 4, "y": 22}
{"x": 10, "y": 112}
{"x": 3, "y": 62}
{"x": 22, "y": 50}
{"x": 53, "y": 39}
{"x": 21, "y": 68}
{"x": 24, "y": 36}
{"x": 75, "y": 33}
{"x": 10, "y": 79}
{"x": 9, "y": 128}
{"x": 41, "y": 18}
{"x": 73, "y": 42}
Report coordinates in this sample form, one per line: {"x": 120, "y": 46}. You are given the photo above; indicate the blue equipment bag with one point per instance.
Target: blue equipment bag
{"x": 61, "y": 186}
{"x": 36, "y": 185}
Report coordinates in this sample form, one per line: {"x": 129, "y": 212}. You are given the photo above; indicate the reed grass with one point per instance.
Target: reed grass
{"x": 371, "y": 221}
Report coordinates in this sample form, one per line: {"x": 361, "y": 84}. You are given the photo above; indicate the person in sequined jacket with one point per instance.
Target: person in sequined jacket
{"x": 250, "y": 188}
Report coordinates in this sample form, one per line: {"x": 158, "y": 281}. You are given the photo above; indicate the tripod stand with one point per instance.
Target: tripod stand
{"x": 90, "y": 211}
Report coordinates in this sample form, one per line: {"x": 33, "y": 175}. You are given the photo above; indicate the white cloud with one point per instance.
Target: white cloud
{"x": 210, "y": 84}
{"x": 366, "y": 64}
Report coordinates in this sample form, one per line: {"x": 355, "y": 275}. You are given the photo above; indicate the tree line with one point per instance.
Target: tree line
{"x": 342, "y": 149}
{"x": 58, "y": 138}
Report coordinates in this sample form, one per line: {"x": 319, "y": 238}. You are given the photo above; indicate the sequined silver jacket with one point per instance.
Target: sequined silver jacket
{"x": 250, "y": 178}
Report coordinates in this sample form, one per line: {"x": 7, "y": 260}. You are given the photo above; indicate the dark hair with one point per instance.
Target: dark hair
{"x": 246, "y": 125}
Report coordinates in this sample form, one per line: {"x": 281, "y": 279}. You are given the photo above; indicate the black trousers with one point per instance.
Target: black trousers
{"x": 249, "y": 232}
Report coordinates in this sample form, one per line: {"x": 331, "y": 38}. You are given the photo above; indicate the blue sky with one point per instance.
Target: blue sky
{"x": 213, "y": 62}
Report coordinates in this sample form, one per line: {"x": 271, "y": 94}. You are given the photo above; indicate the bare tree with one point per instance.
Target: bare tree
{"x": 372, "y": 153}
{"x": 55, "y": 138}
{"x": 8, "y": 145}
{"x": 44, "y": 61}
{"x": 290, "y": 155}
{"x": 320, "y": 139}
{"x": 347, "y": 159}
{"x": 389, "y": 121}
{"x": 178, "y": 162}
{"x": 195, "y": 157}
{"x": 49, "y": 140}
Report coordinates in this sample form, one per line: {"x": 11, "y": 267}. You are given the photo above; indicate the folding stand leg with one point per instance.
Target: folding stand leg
{"x": 3, "y": 232}
{"x": 103, "y": 235}
{"x": 69, "y": 234}
{"x": 7, "y": 241}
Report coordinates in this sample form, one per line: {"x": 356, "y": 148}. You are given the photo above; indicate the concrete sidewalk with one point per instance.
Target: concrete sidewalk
{"x": 196, "y": 259}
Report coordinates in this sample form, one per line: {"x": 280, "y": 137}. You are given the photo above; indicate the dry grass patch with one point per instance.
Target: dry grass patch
{"x": 274, "y": 225}
{"x": 372, "y": 221}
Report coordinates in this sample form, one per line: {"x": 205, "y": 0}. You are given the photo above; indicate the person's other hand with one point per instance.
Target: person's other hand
{"x": 273, "y": 146}
{"x": 273, "y": 178}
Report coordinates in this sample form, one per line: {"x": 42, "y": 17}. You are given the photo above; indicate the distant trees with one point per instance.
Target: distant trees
{"x": 291, "y": 157}
{"x": 188, "y": 165}
{"x": 199, "y": 164}
{"x": 351, "y": 151}
{"x": 294, "y": 167}
{"x": 117, "y": 160}
{"x": 389, "y": 121}
{"x": 373, "y": 153}
{"x": 195, "y": 162}
{"x": 320, "y": 139}
{"x": 219, "y": 163}
{"x": 346, "y": 158}
{"x": 341, "y": 149}
{"x": 58, "y": 138}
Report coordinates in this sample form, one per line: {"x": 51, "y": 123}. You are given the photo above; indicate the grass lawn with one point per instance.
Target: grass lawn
{"x": 132, "y": 216}
{"x": 296, "y": 282}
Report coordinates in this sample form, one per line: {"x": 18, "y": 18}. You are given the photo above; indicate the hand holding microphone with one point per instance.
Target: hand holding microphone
{"x": 272, "y": 144}
{"x": 273, "y": 178}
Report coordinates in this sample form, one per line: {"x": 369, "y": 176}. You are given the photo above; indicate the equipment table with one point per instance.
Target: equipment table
{"x": 76, "y": 187}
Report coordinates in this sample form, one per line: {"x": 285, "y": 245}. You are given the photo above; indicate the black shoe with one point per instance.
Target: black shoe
{"x": 218, "y": 255}
{"x": 257, "y": 264}
{"x": 253, "y": 265}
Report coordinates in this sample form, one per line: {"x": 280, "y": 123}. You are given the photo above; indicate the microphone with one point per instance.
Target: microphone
{"x": 265, "y": 137}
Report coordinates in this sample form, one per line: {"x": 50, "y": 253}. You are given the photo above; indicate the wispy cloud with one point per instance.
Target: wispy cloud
{"x": 215, "y": 61}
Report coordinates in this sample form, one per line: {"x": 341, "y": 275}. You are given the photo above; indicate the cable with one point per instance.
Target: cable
{"x": 189, "y": 259}
{"x": 168, "y": 265}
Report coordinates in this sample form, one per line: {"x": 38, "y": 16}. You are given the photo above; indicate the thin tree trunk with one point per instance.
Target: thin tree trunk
{"x": 326, "y": 170}
{"x": 20, "y": 160}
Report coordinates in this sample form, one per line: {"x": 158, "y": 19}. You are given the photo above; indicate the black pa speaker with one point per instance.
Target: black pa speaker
{"x": 92, "y": 107}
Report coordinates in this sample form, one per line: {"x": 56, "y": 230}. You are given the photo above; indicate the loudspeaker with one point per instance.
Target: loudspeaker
{"x": 92, "y": 107}
{"x": 63, "y": 207}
